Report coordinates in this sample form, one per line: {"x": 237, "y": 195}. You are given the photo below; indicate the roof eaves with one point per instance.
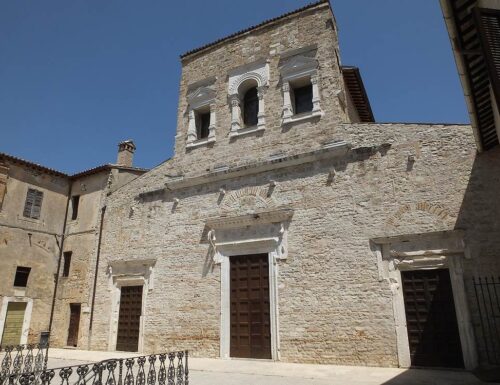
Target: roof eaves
{"x": 254, "y": 27}
{"x": 355, "y": 86}
{"x": 106, "y": 167}
{"x": 33, "y": 165}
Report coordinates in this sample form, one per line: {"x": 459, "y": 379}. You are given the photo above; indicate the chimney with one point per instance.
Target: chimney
{"x": 126, "y": 151}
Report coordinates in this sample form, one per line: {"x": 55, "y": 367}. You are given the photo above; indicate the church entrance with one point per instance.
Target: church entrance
{"x": 249, "y": 306}
{"x": 129, "y": 319}
{"x": 431, "y": 319}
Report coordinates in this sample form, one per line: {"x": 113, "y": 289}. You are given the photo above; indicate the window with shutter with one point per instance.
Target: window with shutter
{"x": 33, "y": 204}
{"x": 488, "y": 23}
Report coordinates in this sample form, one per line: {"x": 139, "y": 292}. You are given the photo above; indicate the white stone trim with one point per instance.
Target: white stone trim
{"x": 422, "y": 253}
{"x": 128, "y": 273}
{"x": 200, "y": 98}
{"x": 329, "y": 151}
{"x": 271, "y": 239}
{"x": 258, "y": 72}
{"x": 27, "y": 316}
{"x": 299, "y": 68}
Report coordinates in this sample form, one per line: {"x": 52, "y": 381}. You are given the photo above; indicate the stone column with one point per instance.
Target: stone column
{"x": 211, "y": 128}
{"x": 287, "y": 102}
{"x": 315, "y": 94}
{"x": 191, "y": 134}
{"x": 261, "y": 117}
{"x": 235, "y": 113}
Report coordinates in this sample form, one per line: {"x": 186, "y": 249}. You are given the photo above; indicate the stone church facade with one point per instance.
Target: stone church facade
{"x": 303, "y": 232}
{"x": 288, "y": 225}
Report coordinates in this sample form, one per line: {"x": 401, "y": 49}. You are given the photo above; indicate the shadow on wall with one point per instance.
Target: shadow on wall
{"x": 479, "y": 216}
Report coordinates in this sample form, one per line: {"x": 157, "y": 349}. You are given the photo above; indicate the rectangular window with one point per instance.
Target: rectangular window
{"x": 203, "y": 123}
{"x": 21, "y": 278}
{"x": 33, "y": 204}
{"x": 303, "y": 99}
{"x": 75, "y": 201}
{"x": 67, "y": 263}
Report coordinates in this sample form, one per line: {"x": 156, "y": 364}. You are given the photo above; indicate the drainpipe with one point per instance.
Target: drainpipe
{"x": 103, "y": 210}
{"x": 61, "y": 248}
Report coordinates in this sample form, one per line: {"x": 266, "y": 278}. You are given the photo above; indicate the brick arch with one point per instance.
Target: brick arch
{"x": 247, "y": 199}
{"x": 440, "y": 212}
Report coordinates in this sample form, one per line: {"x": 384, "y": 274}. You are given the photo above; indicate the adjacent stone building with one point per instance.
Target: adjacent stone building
{"x": 38, "y": 247}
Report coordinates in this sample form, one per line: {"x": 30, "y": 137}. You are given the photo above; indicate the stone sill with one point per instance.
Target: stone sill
{"x": 200, "y": 142}
{"x": 245, "y": 131}
{"x": 302, "y": 117}
{"x": 30, "y": 220}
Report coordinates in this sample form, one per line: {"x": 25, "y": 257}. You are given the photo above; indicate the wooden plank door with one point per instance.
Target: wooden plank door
{"x": 13, "y": 327}
{"x": 431, "y": 319}
{"x": 129, "y": 319}
{"x": 74, "y": 324}
{"x": 250, "y": 319}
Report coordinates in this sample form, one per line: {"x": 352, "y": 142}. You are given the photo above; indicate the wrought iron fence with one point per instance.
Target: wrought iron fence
{"x": 156, "y": 369}
{"x": 20, "y": 359}
{"x": 487, "y": 290}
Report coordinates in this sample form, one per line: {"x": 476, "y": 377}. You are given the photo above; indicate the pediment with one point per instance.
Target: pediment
{"x": 299, "y": 64}
{"x": 200, "y": 96}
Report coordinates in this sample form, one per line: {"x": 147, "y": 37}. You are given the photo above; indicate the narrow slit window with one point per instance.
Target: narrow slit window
{"x": 303, "y": 99}
{"x": 22, "y": 275}
{"x": 33, "y": 204}
{"x": 67, "y": 263}
{"x": 75, "y": 202}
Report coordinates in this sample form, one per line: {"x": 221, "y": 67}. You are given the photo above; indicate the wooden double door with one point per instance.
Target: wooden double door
{"x": 129, "y": 319}
{"x": 249, "y": 306}
{"x": 431, "y": 319}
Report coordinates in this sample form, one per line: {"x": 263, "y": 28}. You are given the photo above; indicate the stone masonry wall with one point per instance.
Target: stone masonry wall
{"x": 312, "y": 28}
{"x": 332, "y": 306}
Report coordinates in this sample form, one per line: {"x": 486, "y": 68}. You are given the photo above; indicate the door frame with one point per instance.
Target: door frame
{"x": 132, "y": 272}
{"x": 27, "y": 316}
{"x": 119, "y": 282}
{"x": 440, "y": 250}
{"x": 225, "y": 252}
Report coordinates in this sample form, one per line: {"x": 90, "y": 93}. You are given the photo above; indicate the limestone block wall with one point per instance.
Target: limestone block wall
{"x": 332, "y": 306}
{"x": 313, "y": 30}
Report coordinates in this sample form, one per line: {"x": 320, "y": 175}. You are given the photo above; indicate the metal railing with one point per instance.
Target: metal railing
{"x": 156, "y": 369}
{"x": 21, "y": 359}
{"x": 487, "y": 290}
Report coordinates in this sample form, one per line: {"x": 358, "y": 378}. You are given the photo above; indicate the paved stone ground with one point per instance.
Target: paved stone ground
{"x": 204, "y": 371}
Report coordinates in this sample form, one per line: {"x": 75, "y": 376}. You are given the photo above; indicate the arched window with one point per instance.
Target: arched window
{"x": 250, "y": 107}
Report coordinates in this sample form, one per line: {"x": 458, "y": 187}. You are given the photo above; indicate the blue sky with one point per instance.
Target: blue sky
{"x": 76, "y": 77}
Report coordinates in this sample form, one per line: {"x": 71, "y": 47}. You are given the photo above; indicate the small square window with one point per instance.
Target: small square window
{"x": 21, "y": 278}
{"x": 67, "y": 263}
{"x": 303, "y": 99}
{"x": 203, "y": 125}
{"x": 75, "y": 202}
